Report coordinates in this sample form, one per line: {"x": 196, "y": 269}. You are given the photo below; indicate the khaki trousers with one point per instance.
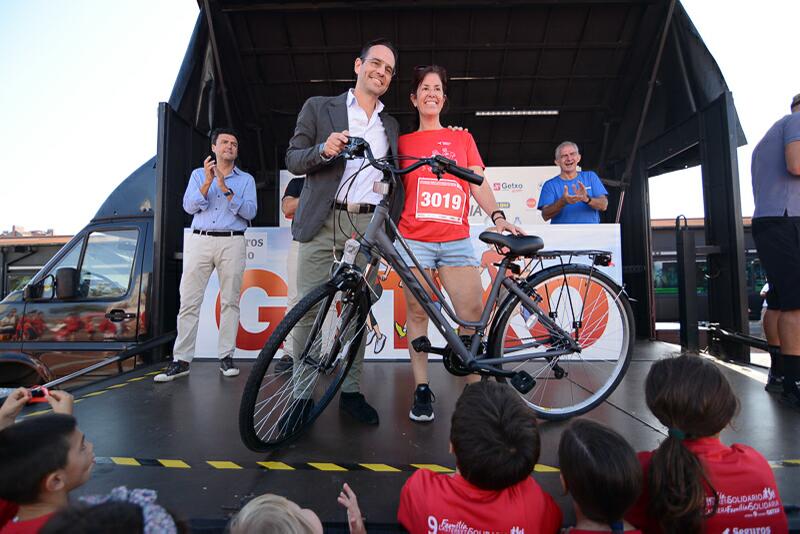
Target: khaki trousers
{"x": 201, "y": 255}
{"x": 315, "y": 259}
{"x": 291, "y": 295}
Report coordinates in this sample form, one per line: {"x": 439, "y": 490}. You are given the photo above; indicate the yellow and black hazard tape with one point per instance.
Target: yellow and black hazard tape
{"x": 282, "y": 466}
{"x": 778, "y": 464}
{"x": 316, "y": 466}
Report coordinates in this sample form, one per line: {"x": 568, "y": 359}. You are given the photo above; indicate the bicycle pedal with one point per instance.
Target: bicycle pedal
{"x": 523, "y": 382}
{"x": 421, "y": 344}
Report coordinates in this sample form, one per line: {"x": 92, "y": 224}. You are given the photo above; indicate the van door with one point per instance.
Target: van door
{"x": 102, "y": 320}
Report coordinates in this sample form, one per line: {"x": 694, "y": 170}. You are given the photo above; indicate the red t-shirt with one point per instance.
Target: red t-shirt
{"x": 748, "y": 494}
{"x": 7, "y": 512}
{"x": 437, "y": 210}
{"x": 574, "y": 530}
{"x": 435, "y": 502}
{"x": 32, "y": 526}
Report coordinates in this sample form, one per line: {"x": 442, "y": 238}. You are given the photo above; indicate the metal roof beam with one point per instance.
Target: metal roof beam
{"x": 382, "y": 5}
{"x": 451, "y": 47}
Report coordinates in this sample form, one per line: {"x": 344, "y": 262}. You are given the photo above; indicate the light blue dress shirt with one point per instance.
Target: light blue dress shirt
{"x": 215, "y": 212}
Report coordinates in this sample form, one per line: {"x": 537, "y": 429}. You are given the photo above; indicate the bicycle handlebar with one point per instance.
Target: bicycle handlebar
{"x": 359, "y": 147}
{"x": 451, "y": 167}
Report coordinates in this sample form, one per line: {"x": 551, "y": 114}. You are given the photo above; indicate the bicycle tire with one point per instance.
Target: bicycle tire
{"x": 605, "y": 332}
{"x": 334, "y": 340}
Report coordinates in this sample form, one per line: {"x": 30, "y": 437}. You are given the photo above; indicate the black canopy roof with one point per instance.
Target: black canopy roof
{"x": 588, "y": 60}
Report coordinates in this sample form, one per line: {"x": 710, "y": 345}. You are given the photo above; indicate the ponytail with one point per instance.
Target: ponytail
{"x": 677, "y": 485}
{"x": 691, "y": 397}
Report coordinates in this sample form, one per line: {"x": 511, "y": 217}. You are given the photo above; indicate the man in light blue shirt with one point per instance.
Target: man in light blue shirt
{"x": 572, "y": 197}
{"x": 222, "y": 199}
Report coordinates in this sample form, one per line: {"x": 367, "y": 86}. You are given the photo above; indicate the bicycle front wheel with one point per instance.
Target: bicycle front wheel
{"x": 595, "y": 312}
{"x": 279, "y": 403}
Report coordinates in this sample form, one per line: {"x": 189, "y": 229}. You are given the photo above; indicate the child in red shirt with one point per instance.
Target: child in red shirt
{"x": 41, "y": 460}
{"x": 693, "y": 482}
{"x": 60, "y": 401}
{"x": 496, "y": 444}
{"x": 600, "y": 471}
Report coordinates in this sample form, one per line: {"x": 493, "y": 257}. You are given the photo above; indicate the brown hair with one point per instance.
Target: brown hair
{"x": 693, "y": 399}
{"x": 494, "y": 436}
{"x": 421, "y": 71}
{"x": 600, "y": 471}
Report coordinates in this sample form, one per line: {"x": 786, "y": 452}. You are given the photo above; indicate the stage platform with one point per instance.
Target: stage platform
{"x": 182, "y": 439}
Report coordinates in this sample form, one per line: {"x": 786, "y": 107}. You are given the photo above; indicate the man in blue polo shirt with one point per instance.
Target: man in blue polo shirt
{"x": 776, "y": 226}
{"x": 572, "y": 197}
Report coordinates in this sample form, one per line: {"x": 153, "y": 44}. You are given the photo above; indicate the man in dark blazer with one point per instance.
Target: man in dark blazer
{"x": 334, "y": 204}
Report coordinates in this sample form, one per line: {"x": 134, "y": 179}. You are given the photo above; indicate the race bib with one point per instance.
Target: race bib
{"x": 440, "y": 200}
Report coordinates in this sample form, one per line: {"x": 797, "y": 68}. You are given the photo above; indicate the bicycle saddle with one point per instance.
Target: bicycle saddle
{"x": 517, "y": 245}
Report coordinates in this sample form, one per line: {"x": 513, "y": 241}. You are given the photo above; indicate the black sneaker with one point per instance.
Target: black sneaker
{"x": 227, "y": 368}
{"x": 356, "y": 406}
{"x": 175, "y": 370}
{"x": 284, "y": 364}
{"x": 292, "y": 419}
{"x": 791, "y": 398}
{"x": 422, "y": 410}
{"x": 774, "y": 383}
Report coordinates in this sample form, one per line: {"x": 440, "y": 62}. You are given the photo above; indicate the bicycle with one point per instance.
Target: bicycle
{"x": 561, "y": 336}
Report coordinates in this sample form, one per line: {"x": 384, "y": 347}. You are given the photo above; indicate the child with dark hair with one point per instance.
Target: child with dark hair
{"x": 694, "y": 482}
{"x": 60, "y": 401}
{"x": 42, "y": 459}
{"x": 122, "y": 511}
{"x": 117, "y": 517}
{"x": 600, "y": 471}
{"x": 494, "y": 438}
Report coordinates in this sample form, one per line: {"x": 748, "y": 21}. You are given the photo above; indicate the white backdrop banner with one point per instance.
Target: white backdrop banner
{"x": 516, "y": 190}
{"x": 264, "y": 289}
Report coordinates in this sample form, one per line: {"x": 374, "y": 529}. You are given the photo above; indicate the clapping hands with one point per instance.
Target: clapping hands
{"x": 579, "y": 194}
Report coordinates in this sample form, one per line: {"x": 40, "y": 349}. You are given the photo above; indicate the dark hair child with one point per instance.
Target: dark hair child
{"x": 600, "y": 471}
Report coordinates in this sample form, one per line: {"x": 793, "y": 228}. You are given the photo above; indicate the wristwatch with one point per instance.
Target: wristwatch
{"x": 588, "y": 201}
{"x": 321, "y": 148}
{"x": 228, "y": 193}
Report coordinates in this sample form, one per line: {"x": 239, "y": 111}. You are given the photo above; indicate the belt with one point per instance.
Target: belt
{"x": 353, "y": 207}
{"x": 219, "y": 234}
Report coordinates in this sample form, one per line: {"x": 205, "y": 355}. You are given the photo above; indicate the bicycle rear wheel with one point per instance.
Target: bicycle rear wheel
{"x": 593, "y": 310}
{"x": 278, "y": 405}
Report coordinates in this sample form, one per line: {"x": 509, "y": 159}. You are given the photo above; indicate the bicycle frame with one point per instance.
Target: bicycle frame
{"x": 376, "y": 236}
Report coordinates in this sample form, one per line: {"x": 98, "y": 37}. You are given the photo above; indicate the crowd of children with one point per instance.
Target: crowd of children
{"x": 692, "y": 483}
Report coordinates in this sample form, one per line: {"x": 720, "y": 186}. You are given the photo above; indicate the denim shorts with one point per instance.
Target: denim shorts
{"x": 458, "y": 253}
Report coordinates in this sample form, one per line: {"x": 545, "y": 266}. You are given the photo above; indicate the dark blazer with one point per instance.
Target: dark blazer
{"x": 320, "y": 116}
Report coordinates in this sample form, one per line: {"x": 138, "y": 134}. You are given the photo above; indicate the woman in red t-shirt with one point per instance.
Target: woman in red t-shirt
{"x": 693, "y": 482}
{"x": 435, "y": 220}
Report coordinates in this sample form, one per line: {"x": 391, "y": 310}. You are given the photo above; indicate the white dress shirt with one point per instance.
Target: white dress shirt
{"x": 359, "y": 190}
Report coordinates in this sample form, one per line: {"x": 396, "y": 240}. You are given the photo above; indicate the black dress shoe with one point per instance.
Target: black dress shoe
{"x": 284, "y": 364}
{"x": 356, "y": 406}
{"x": 292, "y": 419}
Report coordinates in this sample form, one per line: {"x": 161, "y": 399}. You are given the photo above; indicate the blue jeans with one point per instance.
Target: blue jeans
{"x": 458, "y": 253}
